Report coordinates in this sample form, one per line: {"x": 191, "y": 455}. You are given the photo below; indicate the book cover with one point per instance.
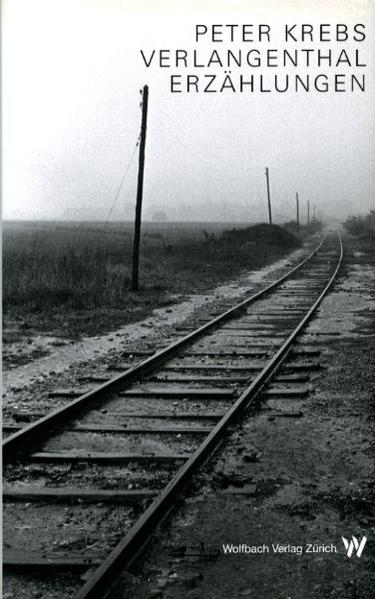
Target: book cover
{"x": 188, "y": 299}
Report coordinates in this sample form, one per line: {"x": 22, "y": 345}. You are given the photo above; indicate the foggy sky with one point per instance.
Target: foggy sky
{"x": 71, "y": 117}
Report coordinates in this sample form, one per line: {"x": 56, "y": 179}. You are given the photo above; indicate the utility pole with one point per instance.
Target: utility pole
{"x": 138, "y": 206}
{"x": 314, "y": 213}
{"x": 268, "y": 196}
{"x": 297, "y": 206}
{"x": 308, "y": 212}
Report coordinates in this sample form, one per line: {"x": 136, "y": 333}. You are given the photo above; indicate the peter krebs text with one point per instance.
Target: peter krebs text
{"x": 261, "y": 58}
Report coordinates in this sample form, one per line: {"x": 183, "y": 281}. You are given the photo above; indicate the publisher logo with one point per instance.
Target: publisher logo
{"x": 354, "y": 544}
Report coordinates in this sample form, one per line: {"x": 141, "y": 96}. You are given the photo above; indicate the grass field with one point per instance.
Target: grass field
{"x": 74, "y": 271}
{"x": 363, "y": 226}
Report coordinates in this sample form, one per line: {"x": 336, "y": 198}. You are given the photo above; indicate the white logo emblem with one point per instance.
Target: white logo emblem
{"x": 354, "y": 544}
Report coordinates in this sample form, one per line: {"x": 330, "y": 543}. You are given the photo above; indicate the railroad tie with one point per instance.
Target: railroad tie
{"x": 123, "y": 430}
{"x": 282, "y": 393}
{"x": 236, "y": 368}
{"x": 20, "y": 560}
{"x": 302, "y": 378}
{"x": 229, "y": 368}
{"x": 286, "y": 414}
{"x": 307, "y": 351}
{"x": 70, "y": 394}
{"x": 169, "y": 393}
{"x": 200, "y": 379}
{"x": 83, "y": 495}
{"x": 104, "y": 458}
{"x": 34, "y": 415}
{"x": 259, "y": 351}
{"x": 120, "y": 366}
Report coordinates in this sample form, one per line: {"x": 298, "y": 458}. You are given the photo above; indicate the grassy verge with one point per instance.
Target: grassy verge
{"x": 76, "y": 278}
{"x": 363, "y": 226}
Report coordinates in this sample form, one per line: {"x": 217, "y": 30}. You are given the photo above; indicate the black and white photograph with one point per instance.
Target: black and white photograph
{"x": 188, "y": 299}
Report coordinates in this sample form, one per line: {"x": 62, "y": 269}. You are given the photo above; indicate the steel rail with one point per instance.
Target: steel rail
{"x": 127, "y": 551}
{"x": 32, "y": 433}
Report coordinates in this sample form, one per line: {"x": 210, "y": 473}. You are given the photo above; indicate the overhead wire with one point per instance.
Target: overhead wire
{"x": 117, "y": 194}
{"x": 173, "y": 134}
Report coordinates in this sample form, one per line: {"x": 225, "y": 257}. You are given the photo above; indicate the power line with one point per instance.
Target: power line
{"x": 122, "y": 182}
{"x": 190, "y": 150}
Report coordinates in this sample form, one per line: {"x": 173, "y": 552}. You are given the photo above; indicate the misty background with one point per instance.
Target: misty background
{"x": 71, "y": 117}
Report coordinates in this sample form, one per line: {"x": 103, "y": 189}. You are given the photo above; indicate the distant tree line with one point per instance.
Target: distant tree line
{"x": 260, "y": 234}
{"x": 307, "y": 229}
{"x": 361, "y": 225}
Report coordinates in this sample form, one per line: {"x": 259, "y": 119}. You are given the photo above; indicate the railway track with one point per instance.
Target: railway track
{"x": 86, "y": 485}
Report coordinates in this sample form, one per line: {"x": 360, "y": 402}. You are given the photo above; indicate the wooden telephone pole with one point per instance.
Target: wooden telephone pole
{"x": 308, "y": 211}
{"x": 138, "y": 206}
{"x": 297, "y": 206}
{"x": 268, "y": 196}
